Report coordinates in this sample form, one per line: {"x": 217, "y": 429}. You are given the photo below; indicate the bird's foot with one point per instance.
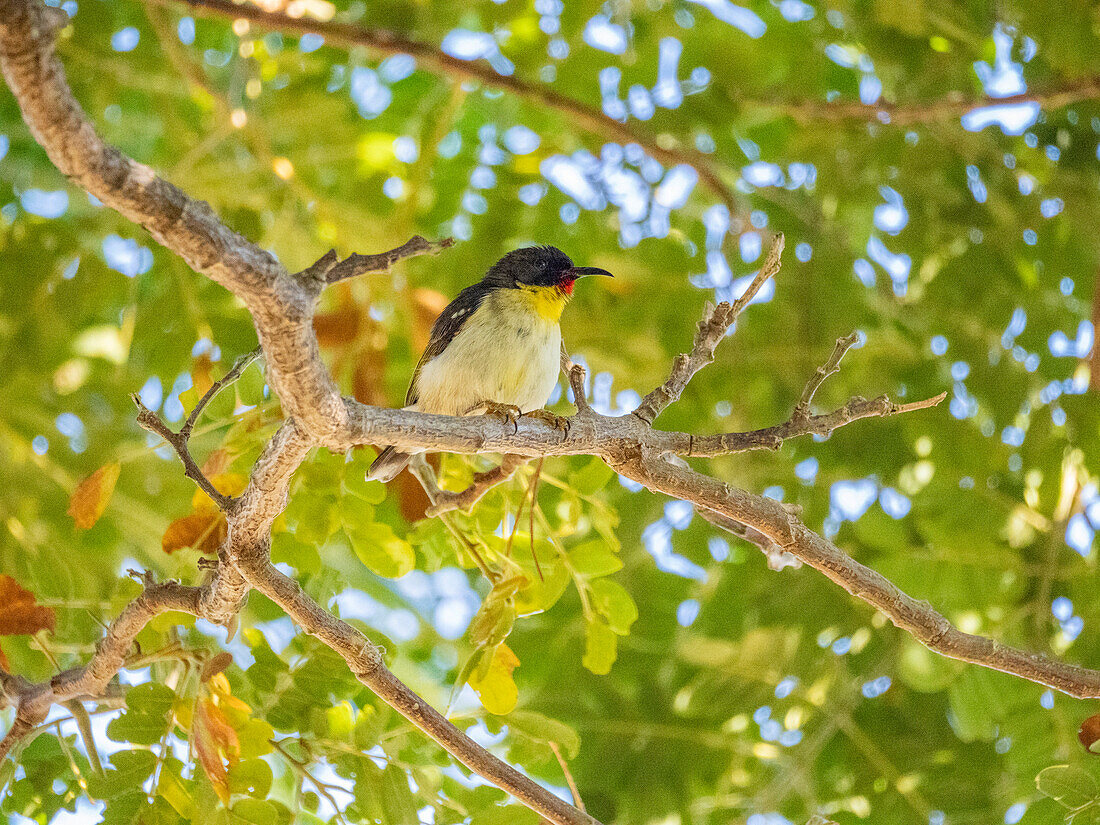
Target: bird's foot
{"x": 558, "y": 422}
{"x": 509, "y": 413}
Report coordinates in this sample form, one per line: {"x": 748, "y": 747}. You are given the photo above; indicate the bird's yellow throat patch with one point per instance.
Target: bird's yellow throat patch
{"x": 547, "y": 301}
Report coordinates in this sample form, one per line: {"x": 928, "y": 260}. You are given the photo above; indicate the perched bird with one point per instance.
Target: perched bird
{"x": 496, "y": 348}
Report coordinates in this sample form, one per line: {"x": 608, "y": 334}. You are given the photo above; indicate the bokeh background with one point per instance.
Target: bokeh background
{"x": 934, "y": 167}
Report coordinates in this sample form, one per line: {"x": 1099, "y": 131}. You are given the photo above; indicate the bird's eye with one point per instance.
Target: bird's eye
{"x": 543, "y": 264}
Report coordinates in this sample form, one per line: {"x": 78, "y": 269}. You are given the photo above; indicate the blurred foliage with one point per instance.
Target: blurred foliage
{"x": 679, "y": 678}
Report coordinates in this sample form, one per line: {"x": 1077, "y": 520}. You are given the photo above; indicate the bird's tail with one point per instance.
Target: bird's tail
{"x": 389, "y": 463}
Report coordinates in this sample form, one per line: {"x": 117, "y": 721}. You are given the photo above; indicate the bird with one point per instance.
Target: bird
{"x": 496, "y": 348}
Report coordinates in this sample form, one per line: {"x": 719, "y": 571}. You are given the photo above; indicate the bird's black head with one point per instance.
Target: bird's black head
{"x": 545, "y": 266}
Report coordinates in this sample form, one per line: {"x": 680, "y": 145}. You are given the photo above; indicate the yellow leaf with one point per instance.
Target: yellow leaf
{"x": 90, "y": 497}
{"x": 202, "y": 374}
{"x": 496, "y": 688}
{"x": 106, "y": 342}
{"x": 228, "y": 484}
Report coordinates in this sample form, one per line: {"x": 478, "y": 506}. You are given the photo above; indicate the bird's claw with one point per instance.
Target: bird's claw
{"x": 558, "y": 422}
{"x": 509, "y": 413}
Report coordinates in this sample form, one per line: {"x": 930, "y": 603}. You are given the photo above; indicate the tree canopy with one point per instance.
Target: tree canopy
{"x": 933, "y": 168}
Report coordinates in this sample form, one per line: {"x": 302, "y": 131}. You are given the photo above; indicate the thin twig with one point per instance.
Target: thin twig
{"x": 568, "y": 775}
{"x": 575, "y": 373}
{"x": 531, "y": 517}
{"x": 424, "y": 473}
{"x": 446, "y": 500}
{"x": 711, "y": 330}
{"x": 302, "y": 769}
{"x": 150, "y": 421}
{"x": 772, "y": 438}
{"x": 84, "y": 726}
{"x": 830, "y": 367}
{"x": 329, "y": 269}
{"x": 777, "y": 557}
{"x": 234, "y": 373}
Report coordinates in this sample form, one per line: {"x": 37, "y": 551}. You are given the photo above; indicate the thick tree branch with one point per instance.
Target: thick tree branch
{"x": 918, "y": 618}
{"x": 711, "y": 330}
{"x": 365, "y": 662}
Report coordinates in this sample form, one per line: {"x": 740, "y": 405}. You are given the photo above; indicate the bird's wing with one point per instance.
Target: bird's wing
{"x": 446, "y": 327}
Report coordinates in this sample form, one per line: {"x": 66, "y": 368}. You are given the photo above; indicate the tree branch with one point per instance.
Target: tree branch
{"x": 954, "y": 104}
{"x": 777, "y": 557}
{"x": 365, "y": 662}
{"x": 180, "y": 441}
{"x": 918, "y": 618}
{"x": 772, "y": 438}
{"x": 711, "y": 330}
{"x": 329, "y": 269}
{"x": 445, "y": 500}
{"x": 34, "y": 700}
{"x": 282, "y": 308}
{"x": 830, "y": 367}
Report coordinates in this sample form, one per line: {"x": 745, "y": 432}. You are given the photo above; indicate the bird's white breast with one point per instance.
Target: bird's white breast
{"x": 505, "y": 353}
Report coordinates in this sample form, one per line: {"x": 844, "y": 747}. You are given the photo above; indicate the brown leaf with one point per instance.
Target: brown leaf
{"x": 368, "y": 380}
{"x": 204, "y": 531}
{"x": 1089, "y": 734}
{"x": 427, "y": 304}
{"x": 216, "y": 463}
{"x": 90, "y": 497}
{"x": 338, "y": 327}
{"x": 20, "y": 615}
{"x": 411, "y": 498}
{"x": 216, "y": 665}
{"x": 4, "y": 661}
{"x": 212, "y": 735}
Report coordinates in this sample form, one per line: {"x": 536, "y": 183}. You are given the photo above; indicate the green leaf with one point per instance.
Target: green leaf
{"x": 381, "y": 550}
{"x": 129, "y": 769}
{"x": 615, "y": 604}
{"x": 600, "y": 645}
{"x": 591, "y": 477}
{"x": 1068, "y": 784}
{"x": 123, "y": 809}
{"x": 286, "y": 548}
{"x": 253, "y": 812}
{"x": 493, "y": 621}
{"x": 355, "y": 483}
{"x": 312, "y": 518}
{"x": 539, "y": 728}
{"x": 145, "y": 719}
{"x": 250, "y": 776}
{"x": 594, "y": 558}
{"x": 397, "y": 798}
{"x": 509, "y": 814}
